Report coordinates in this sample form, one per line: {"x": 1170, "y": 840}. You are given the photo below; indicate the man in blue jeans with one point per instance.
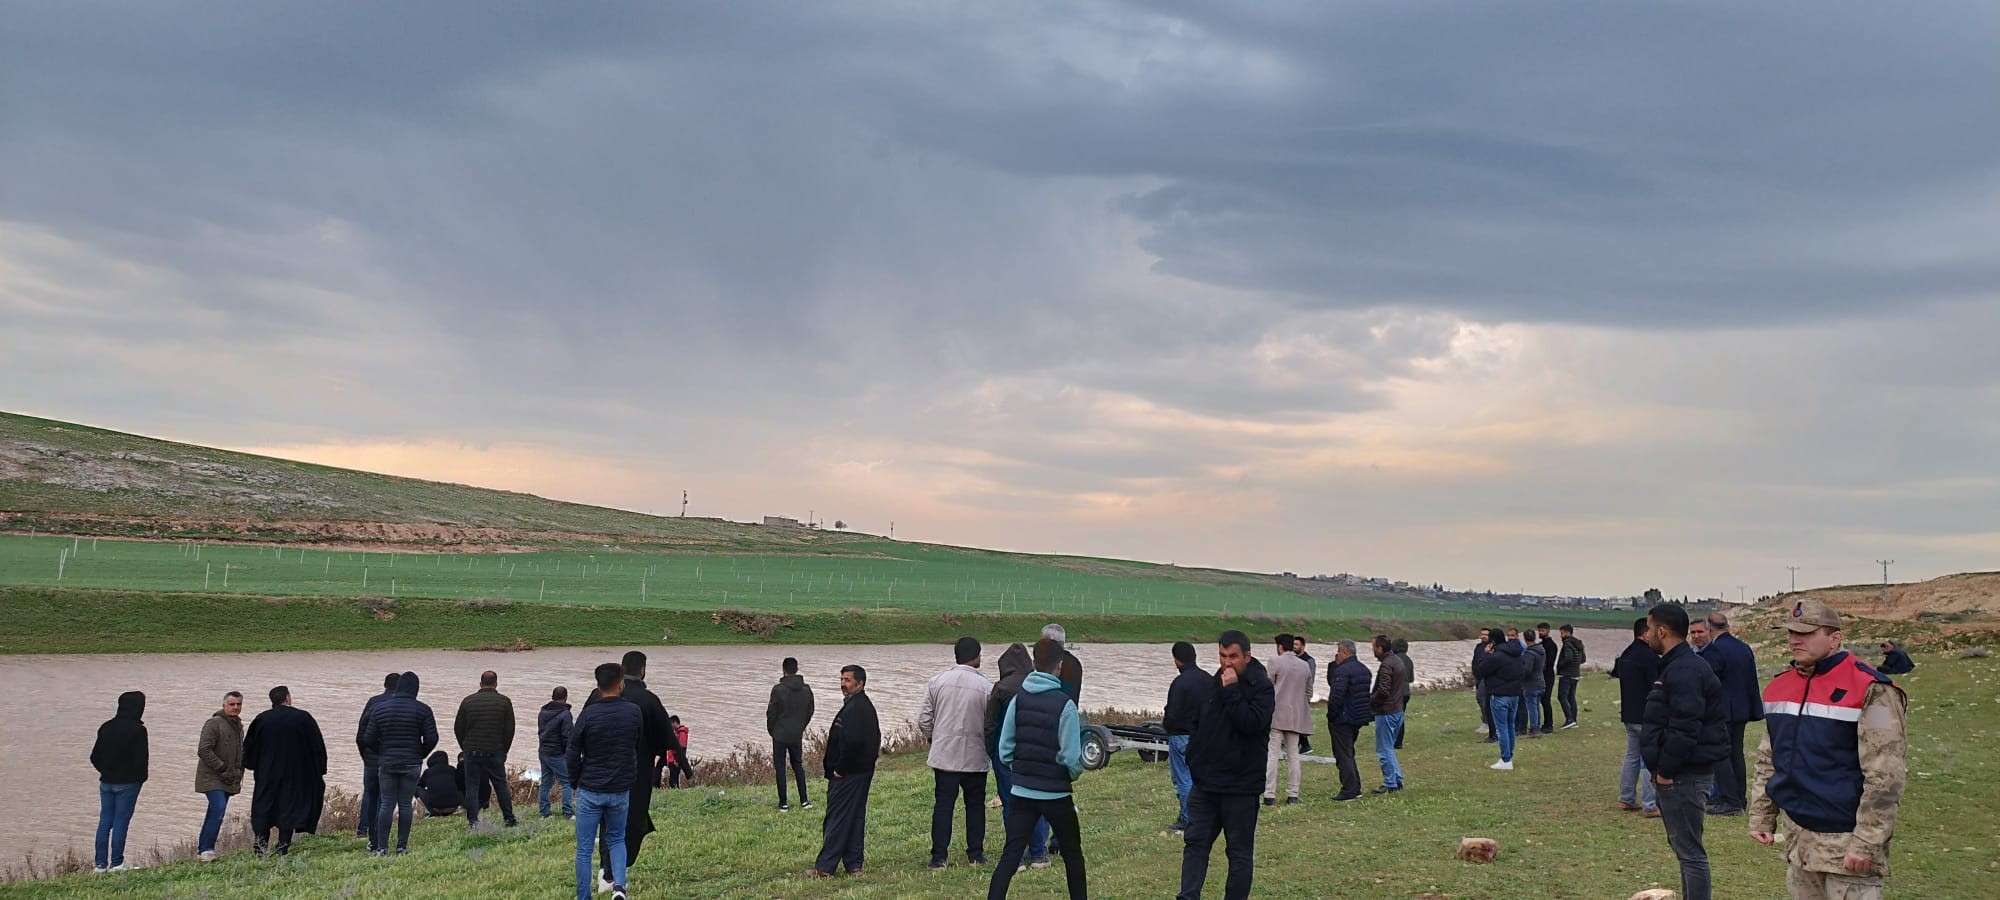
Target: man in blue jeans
{"x": 218, "y": 773}
{"x": 1501, "y": 664}
{"x": 603, "y": 762}
{"x": 1184, "y": 697}
{"x": 371, "y": 768}
{"x": 1635, "y": 670}
{"x": 552, "y": 727}
{"x": 120, "y": 759}
{"x": 401, "y": 731}
{"x": 1386, "y": 703}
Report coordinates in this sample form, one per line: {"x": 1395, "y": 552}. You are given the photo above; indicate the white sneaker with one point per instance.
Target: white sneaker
{"x": 604, "y": 887}
{"x": 1503, "y": 765}
{"x": 806, "y": 805}
{"x": 206, "y": 856}
{"x": 1480, "y": 730}
{"x": 101, "y": 870}
{"x": 121, "y": 867}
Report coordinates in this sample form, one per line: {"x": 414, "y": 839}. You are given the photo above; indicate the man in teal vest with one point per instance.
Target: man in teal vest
{"x": 1041, "y": 743}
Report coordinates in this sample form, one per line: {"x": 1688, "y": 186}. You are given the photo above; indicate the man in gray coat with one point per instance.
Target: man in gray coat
{"x": 952, "y": 717}
{"x": 1291, "y": 718}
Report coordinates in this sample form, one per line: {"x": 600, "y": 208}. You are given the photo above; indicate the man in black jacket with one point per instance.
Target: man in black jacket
{"x": 484, "y": 727}
{"x": 1735, "y": 665}
{"x": 553, "y": 723}
{"x": 786, "y": 717}
{"x": 1402, "y": 647}
{"x": 1686, "y": 733}
{"x": 1347, "y": 684}
{"x": 655, "y": 738}
{"x": 853, "y": 744}
{"x": 1635, "y": 670}
{"x": 1550, "y": 650}
{"x": 286, "y": 750}
{"x": 603, "y": 761}
{"x": 1480, "y": 693}
{"x": 1503, "y": 668}
{"x": 371, "y": 782}
{"x": 120, "y": 757}
{"x": 1895, "y": 660}
{"x": 1226, "y": 758}
{"x": 401, "y": 731}
{"x": 1569, "y": 668}
{"x": 1184, "y": 698}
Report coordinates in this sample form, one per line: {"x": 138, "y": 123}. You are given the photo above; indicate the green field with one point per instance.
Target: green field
{"x": 877, "y": 575}
{"x": 1559, "y": 836}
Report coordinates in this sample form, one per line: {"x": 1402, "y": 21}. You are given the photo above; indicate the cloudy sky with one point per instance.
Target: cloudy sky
{"x": 1550, "y": 297}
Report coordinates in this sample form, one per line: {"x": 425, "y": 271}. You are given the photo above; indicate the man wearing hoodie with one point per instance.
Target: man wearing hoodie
{"x": 1402, "y": 648}
{"x": 286, "y": 750}
{"x": 786, "y": 718}
{"x": 1502, "y": 667}
{"x": 1184, "y": 699}
{"x": 952, "y": 716}
{"x": 401, "y": 732}
{"x": 1226, "y": 758}
{"x": 552, "y": 727}
{"x": 1041, "y": 742}
{"x": 119, "y": 756}
{"x": 1346, "y": 714}
{"x": 371, "y": 784}
{"x": 1533, "y": 688}
{"x": 218, "y": 771}
{"x": 603, "y": 757}
{"x": 1291, "y": 719}
{"x": 853, "y": 745}
{"x": 1015, "y": 666}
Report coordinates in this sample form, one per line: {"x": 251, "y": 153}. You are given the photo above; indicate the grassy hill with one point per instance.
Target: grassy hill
{"x": 1971, "y": 597}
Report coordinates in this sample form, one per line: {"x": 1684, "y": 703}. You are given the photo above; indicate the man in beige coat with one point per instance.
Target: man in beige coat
{"x": 218, "y": 772}
{"x": 952, "y": 717}
{"x": 1291, "y": 683}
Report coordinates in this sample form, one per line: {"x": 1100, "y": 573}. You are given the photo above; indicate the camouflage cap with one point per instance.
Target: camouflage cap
{"x": 1808, "y": 616}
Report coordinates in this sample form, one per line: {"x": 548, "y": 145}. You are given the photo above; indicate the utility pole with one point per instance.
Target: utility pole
{"x": 892, "y": 531}
{"x": 1885, "y": 564}
{"x": 684, "y": 504}
{"x": 1795, "y": 578}
{"x": 1739, "y": 595}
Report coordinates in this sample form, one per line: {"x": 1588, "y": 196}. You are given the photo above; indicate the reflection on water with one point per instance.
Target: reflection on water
{"x": 48, "y": 792}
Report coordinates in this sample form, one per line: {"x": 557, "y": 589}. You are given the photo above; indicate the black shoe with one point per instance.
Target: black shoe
{"x": 1385, "y": 789}
{"x": 1270, "y": 801}
{"x": 975, "y": 859}
{"x": 1343, "y": 798}
{"x": 1725, "y": 810}
{"x": 1179, "y": 826}
{"x": 1490, "y": 740}
{"x": 935, "y": 864}
{"x": 1291, "y": 800}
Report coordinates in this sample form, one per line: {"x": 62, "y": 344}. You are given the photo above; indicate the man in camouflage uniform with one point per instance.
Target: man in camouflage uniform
{"x": 1831, "y": 763}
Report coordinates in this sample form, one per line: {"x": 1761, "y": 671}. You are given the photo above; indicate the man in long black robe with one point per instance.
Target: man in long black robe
{"x": 656, "y": 737}
{"x": 284, "y": 747}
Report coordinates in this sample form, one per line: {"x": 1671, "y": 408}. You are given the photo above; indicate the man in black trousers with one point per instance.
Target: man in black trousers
{"x": 1226, "y": 757}
{"x": 1550, "y": 651}
{"x": 853, "y": 744}
{"x": 1735, "y": 665}
{"x": 1685, "y": 735}
{"x": 656, "y": 737}
{"x": 1348, "y": 686}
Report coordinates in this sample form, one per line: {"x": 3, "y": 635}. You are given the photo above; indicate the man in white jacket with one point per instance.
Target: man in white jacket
{"x": 953, "y": 718}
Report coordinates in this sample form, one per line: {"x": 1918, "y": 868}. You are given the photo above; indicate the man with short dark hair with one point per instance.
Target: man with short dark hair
{"x": 1831, "y": 762}
{"x": 1402, "y": 648}
{"x": 853, "y": 744}
{"x": 1291, "y": 719}
{"x": 1312, "y": 674}
{"x": 1550, "y": 650}
{"x": 1481, "y": 692}
{"x": 1635, "y": 670}
{"x": 1226, "y": 759}
{"x": 371, "y": 774}
{"x": 1385, "y": 703}
{"x": 288, "y": 753}
{"x": 1735, "y": 665}
{"x": 1895, "y": 660}
{"x": 1686, "y": 733}
{"x": 786, "y": 716}
{"x": 1184, "y": 698}
{"x": 603, "y": 758}
{"x": 1533, "y": 688}
{"x": 1346, "y": 714}
{"x": 952, "y": 716}
{"x": 552, "y": 727}
{"x": 401, "y": 732}
{"x": 1041, "y": 744}
{"x": 219, "y": 774}
{"x": 484, "y": 727}
{"x": 655, "y": 738}
{"x": 1569, "y": 669}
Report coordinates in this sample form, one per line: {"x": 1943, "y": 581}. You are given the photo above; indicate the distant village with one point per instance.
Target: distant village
{"x": 1438, "y": 592}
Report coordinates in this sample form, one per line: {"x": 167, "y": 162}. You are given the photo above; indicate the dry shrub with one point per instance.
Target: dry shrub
{"x": 382, "y": 608}
{"x": 481, "y": 603}
{"x": 951, "y": 620}
{"x": 743, "y": 621}
{"x": 518, "y": 646}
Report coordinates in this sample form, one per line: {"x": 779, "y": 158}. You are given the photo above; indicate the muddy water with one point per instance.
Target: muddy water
{"x": 53, "y": 705}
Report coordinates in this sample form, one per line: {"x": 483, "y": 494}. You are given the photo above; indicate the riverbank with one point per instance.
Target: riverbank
{"x": 47, "y": 620}
{"x": 1559, "y": 836}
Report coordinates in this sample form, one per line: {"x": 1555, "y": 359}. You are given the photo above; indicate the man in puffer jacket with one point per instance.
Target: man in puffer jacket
{"x": 1347, "y": 683}
{"x": 1569, "y": 668}
{"x": 1226, "y": 757}
{"x": 1685, "y": 734}
{"x": 552, "y": 726}
{"x": 401, "y": 732}
{"x": 1502, "y": 667}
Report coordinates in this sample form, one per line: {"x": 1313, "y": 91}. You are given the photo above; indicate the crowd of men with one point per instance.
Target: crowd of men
{"x": 1830, "y": 764}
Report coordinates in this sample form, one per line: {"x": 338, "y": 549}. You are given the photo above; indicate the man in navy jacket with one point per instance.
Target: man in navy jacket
{"x": 1735, "y": 666}
{"x": 1347, "y": 683}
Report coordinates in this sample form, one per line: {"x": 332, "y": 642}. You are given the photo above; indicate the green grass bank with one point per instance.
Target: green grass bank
{"x": 1559, "y": 836}
{"x": 43, "y": 620}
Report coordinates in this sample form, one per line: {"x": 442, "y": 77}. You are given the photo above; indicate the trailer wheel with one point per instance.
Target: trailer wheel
{"x": 1151, "y": 756}
{"x": 1096, "y": 748}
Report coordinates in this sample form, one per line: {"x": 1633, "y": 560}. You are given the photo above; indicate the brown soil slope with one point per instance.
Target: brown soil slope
{"x": 1970, "y": 597}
